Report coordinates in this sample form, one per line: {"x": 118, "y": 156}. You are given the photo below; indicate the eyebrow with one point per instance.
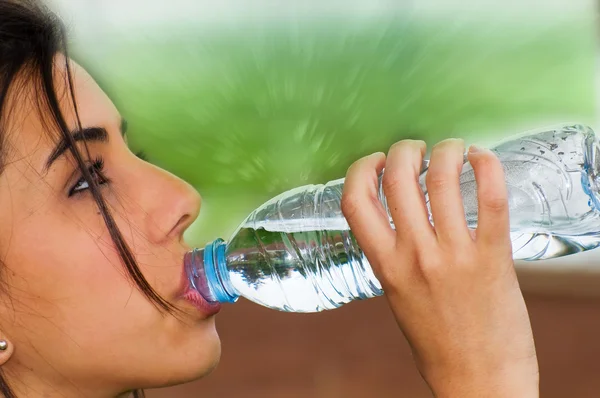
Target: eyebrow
{"x": 88, "y": 134}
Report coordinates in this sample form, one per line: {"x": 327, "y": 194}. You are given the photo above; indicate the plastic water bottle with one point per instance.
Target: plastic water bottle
{"x": 296, "y": 252}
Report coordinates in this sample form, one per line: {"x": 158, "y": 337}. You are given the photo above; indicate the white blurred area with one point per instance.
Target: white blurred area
{"x": 577, "y": 274}
{"x": 143, "y": 13}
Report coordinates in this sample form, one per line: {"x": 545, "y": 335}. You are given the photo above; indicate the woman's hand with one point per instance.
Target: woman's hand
{"x": 453, "y": 291}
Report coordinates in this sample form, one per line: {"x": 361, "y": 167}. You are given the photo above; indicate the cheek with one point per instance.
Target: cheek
{"x": 69, "y": 297}
{"x": 69, "y": 274}
{"x": 72, "y": 305}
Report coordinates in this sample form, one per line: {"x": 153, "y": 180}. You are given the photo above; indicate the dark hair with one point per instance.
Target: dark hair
{"x": 30, "y": 38}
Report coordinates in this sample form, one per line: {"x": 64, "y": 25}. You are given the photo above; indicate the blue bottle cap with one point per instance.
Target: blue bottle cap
{"x": 217, "y": 275}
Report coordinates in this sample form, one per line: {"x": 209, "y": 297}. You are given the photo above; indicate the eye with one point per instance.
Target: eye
{"x": 95, "y": 170}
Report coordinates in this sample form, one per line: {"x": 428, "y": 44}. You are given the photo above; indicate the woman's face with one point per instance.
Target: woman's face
{"x": 76, "y": 321}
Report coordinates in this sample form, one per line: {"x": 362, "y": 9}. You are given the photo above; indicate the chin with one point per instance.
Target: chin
{"x": 207, "y": 362}
{"x": 188, "y": 362}
{"x": 201, "y": 358}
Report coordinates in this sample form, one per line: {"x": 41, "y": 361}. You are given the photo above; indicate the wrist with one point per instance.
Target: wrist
{"x": 515, "y": 381}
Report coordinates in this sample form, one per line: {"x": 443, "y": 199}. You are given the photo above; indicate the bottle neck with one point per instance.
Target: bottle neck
{"x": 207, "y": 271}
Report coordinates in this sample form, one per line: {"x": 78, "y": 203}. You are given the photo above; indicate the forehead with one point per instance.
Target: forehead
{"x": 29, "y": 127}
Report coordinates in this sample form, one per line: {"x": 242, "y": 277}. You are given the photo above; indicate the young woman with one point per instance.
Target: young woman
{"x": 93, "y": 299}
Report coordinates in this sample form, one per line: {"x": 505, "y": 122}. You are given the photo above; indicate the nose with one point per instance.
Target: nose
{"x": 170, "y": 206}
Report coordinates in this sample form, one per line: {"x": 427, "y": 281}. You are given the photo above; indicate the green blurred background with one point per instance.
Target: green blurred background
{"x": 244, "y": 108}
{"x": 248, "y": 98}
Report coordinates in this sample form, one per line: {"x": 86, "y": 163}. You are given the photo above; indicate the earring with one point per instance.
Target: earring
{"x": 3, "y": 345}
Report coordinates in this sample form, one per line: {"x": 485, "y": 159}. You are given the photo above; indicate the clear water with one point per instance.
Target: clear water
{"x": 297, "y": 253}
{"x": 315, "y": 270}
{"x": 301, "y": 270}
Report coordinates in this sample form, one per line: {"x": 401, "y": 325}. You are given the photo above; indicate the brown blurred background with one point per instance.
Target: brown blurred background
{"x": 358, "y": 351}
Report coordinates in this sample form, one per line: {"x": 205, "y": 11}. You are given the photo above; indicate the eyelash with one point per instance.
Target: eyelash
{"x": 95, "y": 170}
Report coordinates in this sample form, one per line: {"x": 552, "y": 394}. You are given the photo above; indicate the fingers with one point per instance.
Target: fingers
{"x": 443, "y": 189}
{"x": 404, "y": 196}
{"x": 493, "y": 228}
{"x": 363, "y": 210}
{"x": 370, "y": 224}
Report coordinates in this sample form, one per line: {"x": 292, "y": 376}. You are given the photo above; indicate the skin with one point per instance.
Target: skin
{"x": 75, "y": 324}
{"x": 77, "y": 327}
{"x": 454, "y": 292}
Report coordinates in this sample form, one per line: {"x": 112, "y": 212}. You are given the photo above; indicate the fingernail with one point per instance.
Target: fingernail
{"x": 475, "y": 149}
{"x": 451, "y": 140}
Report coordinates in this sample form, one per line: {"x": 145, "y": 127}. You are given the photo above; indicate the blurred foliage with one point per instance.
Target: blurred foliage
{"x": 243, "y": 114}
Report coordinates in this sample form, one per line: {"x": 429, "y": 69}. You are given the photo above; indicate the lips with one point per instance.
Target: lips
{"x": 192, "y": 296}
{"x": 196, "y": 299}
